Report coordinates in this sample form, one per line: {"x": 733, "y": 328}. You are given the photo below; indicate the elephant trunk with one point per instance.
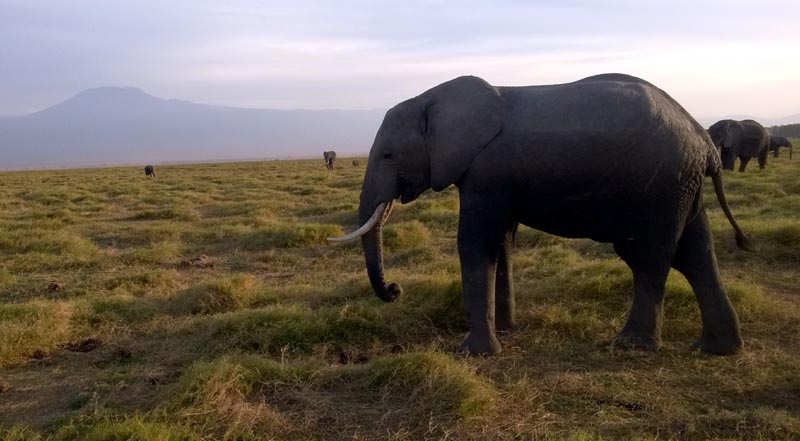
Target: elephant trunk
{"x": 728, "y": 158}
{"x": 371, "y": 234}
{"x": 372, "y": 243}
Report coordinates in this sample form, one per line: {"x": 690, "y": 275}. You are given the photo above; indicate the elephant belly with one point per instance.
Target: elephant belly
{"x": 596, "y": 223}
{"x": 606, "y": 215}
{"x": 607, "y": 192}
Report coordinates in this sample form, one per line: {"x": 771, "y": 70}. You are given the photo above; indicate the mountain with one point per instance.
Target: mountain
{"x": 766, "y": 122}
{"x": 124, "y": 125}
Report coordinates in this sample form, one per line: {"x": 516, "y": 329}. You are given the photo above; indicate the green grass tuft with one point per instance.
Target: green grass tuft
{"x": 158, "y": 253}
{"x": 277, "y": 328}
{"x": 19, "y": 433}
{"x": 433, "y": 382}
{"x": 117, "y": 309}
{"x": 28, "y": 327}
{"x": 289, "y": 235}
{"x": 119, "y": 429}
{"x": 406, "y": 235}
{"x": 6, "y": 278}
{"x": 220, "y": 295}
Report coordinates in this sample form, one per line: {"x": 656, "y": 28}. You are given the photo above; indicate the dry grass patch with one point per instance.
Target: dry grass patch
{"x": 158, "y": 253}
{"x": 185, "y": 214}
{"x": 61, "y": 243}
{"x": 245, "y": 395}
{"x": 6, "y": 278}
{"x": 28, "y": 327}
{"x": 216, "y": 396}
{"x": 158, "y": 283}
{"x": 778, "y": 240}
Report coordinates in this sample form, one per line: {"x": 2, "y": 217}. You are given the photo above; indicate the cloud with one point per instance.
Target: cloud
{"x": 368, "y": 54}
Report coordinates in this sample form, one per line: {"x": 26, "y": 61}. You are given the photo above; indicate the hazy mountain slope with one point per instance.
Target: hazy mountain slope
{"x": 113, "y": 125}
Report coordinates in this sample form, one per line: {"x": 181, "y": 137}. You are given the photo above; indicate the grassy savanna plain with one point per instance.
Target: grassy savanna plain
{"x": 283, "y": 339}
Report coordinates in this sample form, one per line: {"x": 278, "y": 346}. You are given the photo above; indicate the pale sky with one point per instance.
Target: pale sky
{"x": 715, "y": 57}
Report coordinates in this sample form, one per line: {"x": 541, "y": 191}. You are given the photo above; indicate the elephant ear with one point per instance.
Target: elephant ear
{"x": 461, "y": 117}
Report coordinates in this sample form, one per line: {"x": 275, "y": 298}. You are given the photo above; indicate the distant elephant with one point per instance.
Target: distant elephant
{"x": 330, "y": 158}
{"x": 355, "y": 162}
{"x": 776, "y": 142}
{"x": 149, "y": 171}
{"x": 743, "y": 139}
{"x": 610, "y": 157}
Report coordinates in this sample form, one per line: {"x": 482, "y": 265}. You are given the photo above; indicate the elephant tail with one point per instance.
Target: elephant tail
{"x": 741, "y": 239}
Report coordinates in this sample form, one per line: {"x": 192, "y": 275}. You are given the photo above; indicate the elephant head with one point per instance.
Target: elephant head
{"x": 727, "y": 136}
{"x": 426, "y": 142}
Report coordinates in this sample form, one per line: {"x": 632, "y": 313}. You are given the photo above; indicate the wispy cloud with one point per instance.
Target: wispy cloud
{"x": 715, "y": 56}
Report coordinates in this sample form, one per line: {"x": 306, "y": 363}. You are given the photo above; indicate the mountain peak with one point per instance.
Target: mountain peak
{"x": 114, "y": 90}
{"x": 105, "y": 97}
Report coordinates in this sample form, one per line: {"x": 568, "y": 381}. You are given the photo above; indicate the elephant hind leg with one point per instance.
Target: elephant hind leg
{"x": 649, "y": 260}
{"x": 642, "y": 330}
{"x": 505, "y": 305}
{"x": 743, "y": 163}
{"x": 696, "y": 260}
{"x": 762, "y": 158}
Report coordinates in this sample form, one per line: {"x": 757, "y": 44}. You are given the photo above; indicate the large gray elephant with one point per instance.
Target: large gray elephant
{"x": 776, "y": 142}
{"x": 744, "y": 139}
{"x": 330, "y": 158}
{"x": 149, "y": 171}
{"x": 610, "y": 157}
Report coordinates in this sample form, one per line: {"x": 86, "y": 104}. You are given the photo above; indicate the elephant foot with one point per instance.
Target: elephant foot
{"x": 630, "y": 340}
{"x": 506, "y": 325}
{"x": 480, "y": 345}
{"x": 727, "y": 344}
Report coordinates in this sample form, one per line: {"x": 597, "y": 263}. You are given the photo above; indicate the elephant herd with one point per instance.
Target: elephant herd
{"x": 611, "y": 158}
{"x": 745, "y": 140}
{"x": 330, "y": 158}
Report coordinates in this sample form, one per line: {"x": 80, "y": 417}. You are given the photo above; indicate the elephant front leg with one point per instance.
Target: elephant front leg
{"x": 478, "y": 249}
{"x": 505, "y": 306}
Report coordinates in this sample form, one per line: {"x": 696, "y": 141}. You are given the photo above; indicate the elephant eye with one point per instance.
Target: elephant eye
{"x": 387, "y": 155}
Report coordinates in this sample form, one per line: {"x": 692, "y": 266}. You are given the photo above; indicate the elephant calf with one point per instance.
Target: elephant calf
{"x": 610, "y": 157}
{"x": 776, "y": 142}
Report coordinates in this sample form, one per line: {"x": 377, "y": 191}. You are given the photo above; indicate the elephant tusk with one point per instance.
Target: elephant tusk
{"x": 378, "y": 216}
